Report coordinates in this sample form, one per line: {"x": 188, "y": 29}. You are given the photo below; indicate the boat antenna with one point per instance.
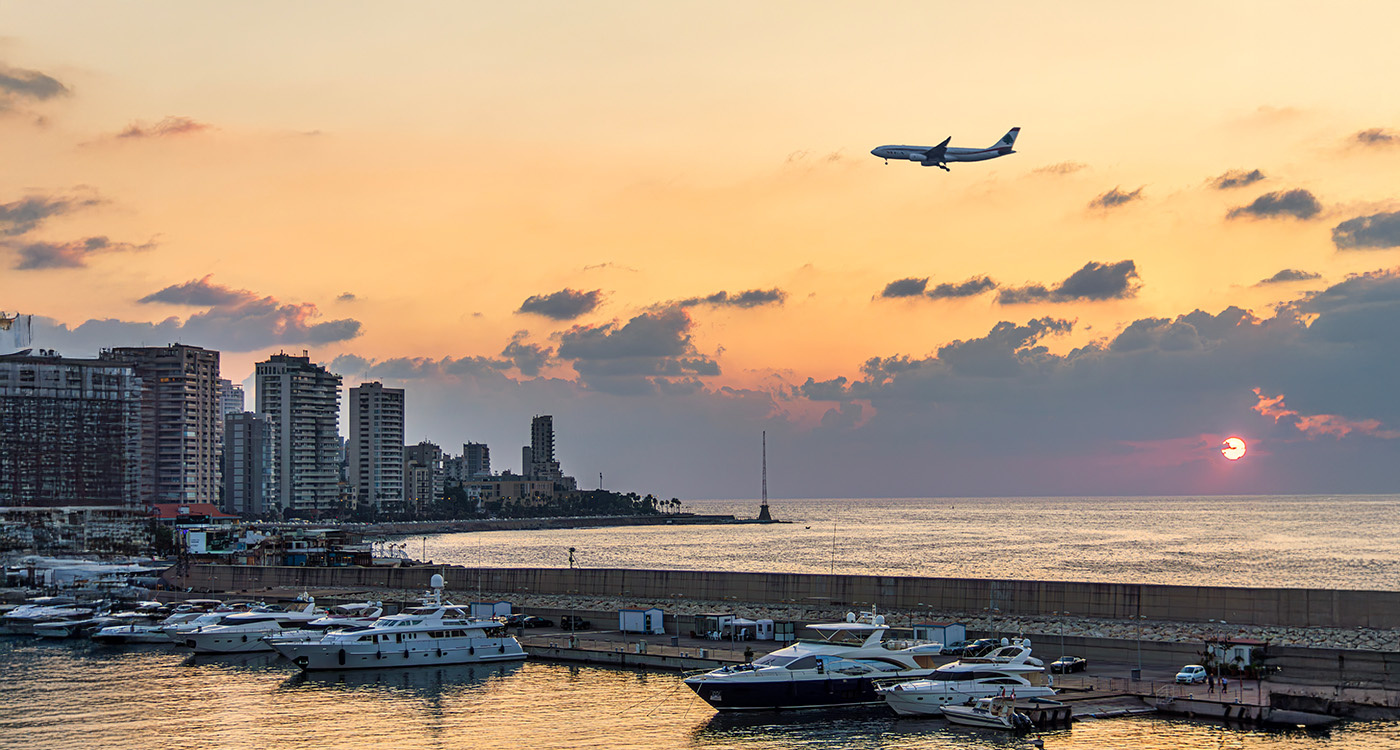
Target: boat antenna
{"x": 763, "y": 516}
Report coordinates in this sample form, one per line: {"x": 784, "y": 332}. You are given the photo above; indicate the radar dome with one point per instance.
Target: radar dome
{"x": 879, "y": 619}
{"x": 850, "y": 617}
{"x": 435, "y": 581}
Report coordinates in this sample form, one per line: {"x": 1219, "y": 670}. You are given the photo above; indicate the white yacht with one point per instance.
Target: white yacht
{"x": 184, "y": 620}
{"x": 839, "y": 668}
{"x": 243, "y": 632}
{"x": 340, "y": 617}
{"x": 23, "y": 619}
{"x": 993, "y": 713}
{"x": 437, "y": 633}
{"x": 1009, "y": 670}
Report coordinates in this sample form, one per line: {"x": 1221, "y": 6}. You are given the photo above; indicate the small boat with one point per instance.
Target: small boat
{"x": 993, "y": 713}
{"x": 1009, "y": 669}
{"x": 243, "y": 632}
{"x": 72, "y": 628}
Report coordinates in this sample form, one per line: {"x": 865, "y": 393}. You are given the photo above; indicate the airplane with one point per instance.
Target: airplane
{"x": 940, "y": 155}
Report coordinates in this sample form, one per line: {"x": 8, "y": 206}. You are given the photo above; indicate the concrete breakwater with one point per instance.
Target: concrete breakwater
{"x": 1212, "y": 609}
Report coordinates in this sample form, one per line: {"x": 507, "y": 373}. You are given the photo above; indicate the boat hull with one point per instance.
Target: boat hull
{"x": 779, "y": 695}
{"x": 908, "y": 700}
{"x": 318, "y": 656}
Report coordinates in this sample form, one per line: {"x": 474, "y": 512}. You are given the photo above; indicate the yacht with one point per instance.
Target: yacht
{"x": 994, "y": 713}
{"x": 838, "y": 668}
{"x": 242, "y": 632}
{"x": 340, "y": 617}
{"x": 436, "y": 633}
{"x": 1009, "y": 670}
{"x": 187, "y": 620}
{"x": 23, "y": 619}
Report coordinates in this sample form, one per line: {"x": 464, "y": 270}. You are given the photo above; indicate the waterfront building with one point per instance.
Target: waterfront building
{"x": 504, "y": 487}
{"x": 424, "y": 480}
{"x": 231, "y": 399}
{"x": 182, "y": 422}
{"x": 250, "y": 464}
{"x": 70, "y": 431}
{"x": 303, "y": 401}
{"x": 539, "y": 461}
{"x": 68, "y": 530}
{"x": 375, "y": 451}
{"x": 476, "y": 460}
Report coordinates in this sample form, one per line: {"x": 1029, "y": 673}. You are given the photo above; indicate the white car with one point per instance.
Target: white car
{"x": 1191, "y": 673}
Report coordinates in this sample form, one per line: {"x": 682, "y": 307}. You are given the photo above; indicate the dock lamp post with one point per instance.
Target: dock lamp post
{"x": 1137, "y": 620}
{"x": 1063, "y": 616}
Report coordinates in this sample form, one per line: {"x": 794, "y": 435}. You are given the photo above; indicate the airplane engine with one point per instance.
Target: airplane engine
{"x": 916, "y": 157}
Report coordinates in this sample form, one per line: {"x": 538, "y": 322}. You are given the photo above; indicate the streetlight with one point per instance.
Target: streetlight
{"x": 1137, "y": 620}
{"x": 992, "y": 613}
{"x": 1063, "y": 616}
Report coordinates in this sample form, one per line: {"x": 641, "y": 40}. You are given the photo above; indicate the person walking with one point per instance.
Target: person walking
{"x": 1224, "y": 684}
{"x": 1210, "y": 682}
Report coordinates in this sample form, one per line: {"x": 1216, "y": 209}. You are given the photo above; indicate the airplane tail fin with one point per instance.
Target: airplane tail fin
{"x": 1008, "y": 140}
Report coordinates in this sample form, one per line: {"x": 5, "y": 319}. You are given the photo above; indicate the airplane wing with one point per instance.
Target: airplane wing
{"x": 938, "y": 152}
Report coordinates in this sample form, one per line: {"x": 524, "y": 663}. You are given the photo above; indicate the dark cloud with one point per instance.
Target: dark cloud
{"x": 1004, "y": 351}
{"x": 1378, "y": 231}
{"x": 26, "y": 214}
{"x": 18, "y": 86}
{"x": 1115, "y": 198}
{"x": 1064, "y": 167}
{"x": 1236, "y": 178}
{"x": 346, "y": 297}
{"x": 1300, "y": 204}
{"x": 970, "y": 288}
{"x": 750, "y": 298}
{"x": 1289, "y": 274}
{"x": 237, "y": 320}
{"x": 528, "y": 358}
{"x": 34, "y": 256}
{"x": 1095, "y": 281}
{"x": 565, "y": 304}
{"x": 639, "y": 357}
{"x": 170, "y": 126}
{"x": 1376, "y": 137}
{"x": 910, "y": 287}
{"x": 199, "y": 293}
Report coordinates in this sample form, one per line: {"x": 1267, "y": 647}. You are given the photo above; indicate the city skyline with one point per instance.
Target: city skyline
{"x": 663, "y": 227}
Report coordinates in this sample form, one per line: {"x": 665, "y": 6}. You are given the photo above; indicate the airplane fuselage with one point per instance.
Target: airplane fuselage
{"x": 943, "y": 154}
{"x": 918, "y": 153}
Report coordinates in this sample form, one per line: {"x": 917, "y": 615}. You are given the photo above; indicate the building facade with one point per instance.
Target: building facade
{"x": 182, "y": 423}
{"x": 250, "y": 465}
{"x": 375, "y": 451}
{"x": 70, "y": 432}
{"x": 231, "y": 399}
{"x": 303, "y": 401}
{"x": 540, "y": 462}
{"x": 476, "y": 460}
{"x": 424, "y": 478}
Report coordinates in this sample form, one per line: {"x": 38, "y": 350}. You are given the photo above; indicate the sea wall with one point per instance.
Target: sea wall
{"x": 940, "y": 597}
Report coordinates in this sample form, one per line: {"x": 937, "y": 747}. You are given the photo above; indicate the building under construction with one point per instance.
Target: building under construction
{"x": 69, "y": 431}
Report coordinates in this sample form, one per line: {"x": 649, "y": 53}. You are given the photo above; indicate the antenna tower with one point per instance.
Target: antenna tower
{"x": 763, "y": 509}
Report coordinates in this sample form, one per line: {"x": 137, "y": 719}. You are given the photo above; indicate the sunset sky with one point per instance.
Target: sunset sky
{"x": 660, "y": 223}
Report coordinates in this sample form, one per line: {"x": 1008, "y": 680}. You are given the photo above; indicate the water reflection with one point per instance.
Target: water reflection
{"x": 426, "y": 683}
{"x": 856, "y": 728}
{"x": 256, "y": 661}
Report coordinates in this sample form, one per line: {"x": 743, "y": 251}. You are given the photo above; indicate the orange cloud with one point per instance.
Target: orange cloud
{"x": 1314, "y": 425}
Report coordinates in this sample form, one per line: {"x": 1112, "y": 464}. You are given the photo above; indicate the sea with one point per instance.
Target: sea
{"x": 1315, "y": 541}
{"x": 76, "y": 694}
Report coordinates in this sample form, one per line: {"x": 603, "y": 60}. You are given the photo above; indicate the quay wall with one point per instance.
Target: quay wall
{"x": 940, "y": 597}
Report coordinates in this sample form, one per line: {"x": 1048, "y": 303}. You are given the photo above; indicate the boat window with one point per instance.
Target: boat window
{"x": 952, "y": 676}
{"x": 806, "y": 662}
{"x": 368, "y": 638}
{"x": 771, "y": 660}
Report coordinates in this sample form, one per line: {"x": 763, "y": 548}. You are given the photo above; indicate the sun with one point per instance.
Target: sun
{"x": 1233, "y": 448}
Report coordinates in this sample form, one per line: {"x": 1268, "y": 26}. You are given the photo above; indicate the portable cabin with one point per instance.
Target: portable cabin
{"x": 641, "y": 621}
{"x": 940, "y": 632}
{"x": 488, "y": 610}
{"x": 712, "y": 625}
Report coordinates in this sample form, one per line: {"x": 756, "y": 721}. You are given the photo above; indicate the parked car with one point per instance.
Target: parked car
{"x": 532, "y": 621}
{"x": 981, "y": 647}
{"x": 570, "y": 622}
{"x": 955, "y": 648}
{"x": 1191, "y": 673}
{"x": 512, "y": 621}
{"x": 1067, "y": 664}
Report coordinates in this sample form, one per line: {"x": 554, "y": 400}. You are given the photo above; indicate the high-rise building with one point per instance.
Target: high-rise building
{"x": 376, "y": 445}
{"x": 70, "y": 431}
{"x": 182, "y": 423}
{"x": 303, "y": 401}
{"x": 476, "y": 460}
{"x": 231, "y": 397}
{"x": 250, "y": 464}
{"x": 424, "y": 480}
{"x": 540, "y": 462}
